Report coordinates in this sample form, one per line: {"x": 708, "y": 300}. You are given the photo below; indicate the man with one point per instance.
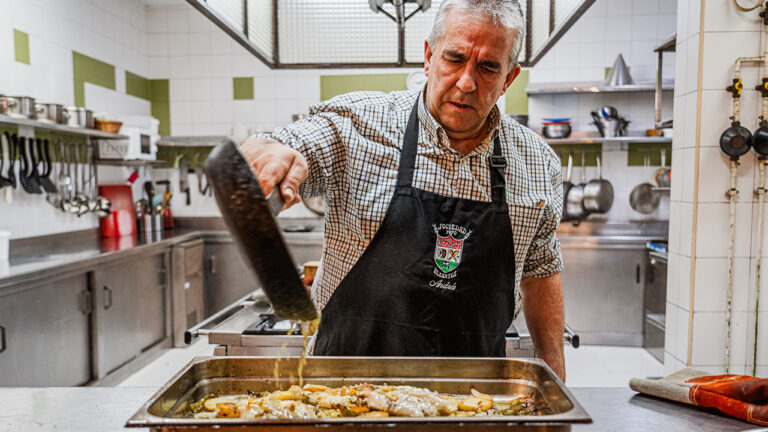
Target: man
{"x": 441, "y": 212}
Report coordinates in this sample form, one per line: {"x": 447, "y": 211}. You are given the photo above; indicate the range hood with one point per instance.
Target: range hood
{"x": 302, "y": 34}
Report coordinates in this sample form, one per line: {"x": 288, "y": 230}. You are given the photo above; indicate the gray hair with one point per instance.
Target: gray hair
{"x": 505, "y": 12}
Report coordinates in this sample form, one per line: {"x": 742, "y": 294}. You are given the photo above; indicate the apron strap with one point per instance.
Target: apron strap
{"x": 497, "y": 163}
{"x": 410, "y": 143}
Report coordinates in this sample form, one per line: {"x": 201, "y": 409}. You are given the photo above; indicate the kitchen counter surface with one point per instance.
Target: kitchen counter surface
{"x": 106, "y": 409}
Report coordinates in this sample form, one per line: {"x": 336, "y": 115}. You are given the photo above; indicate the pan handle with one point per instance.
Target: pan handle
{"x": 571, "y": 337}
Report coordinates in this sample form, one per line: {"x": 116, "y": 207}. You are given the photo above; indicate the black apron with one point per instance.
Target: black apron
{"x": 438, "y": 278}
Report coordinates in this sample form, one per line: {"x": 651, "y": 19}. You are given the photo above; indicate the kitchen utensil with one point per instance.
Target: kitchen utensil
{"x": 24, "y": 107}
{"x": 199, "y": 174}
{"x": 661, "y": 176}
{"x": 7, "y": 104}
{"x": 736, "y": 140}
{"x": 80, "y": 117}
{"x": 51, "y": 113}
{"x": 275, "y": 200}
{"x": 184, "y": 178}
{"x": 149, "y": 188}
{"x": 575, "y": 199}
{"x": 643, "y": 199}
{"x": 609, "y": 112}
{"x": 255, "y": 230}
{"x": 166, "y": 204}
{"x": 74, "y": 201}
{"x": 5, "y": 155}
{"x": 556, "y": 119}
{"x": 44, "y": 151}
{"x": 556, "y": 130}
{"x": 619, "y": 74}
{"x": 598, "y": 193}
{"x": 122, "y": 219}
{"x": 567, "y": 185}
{"x": 65, "y": 180}
{"x": 505, "y": 377}
{"x": 13, "y": 152}
{"x": 611, "y": 127}
{"x": 28, "y": 172}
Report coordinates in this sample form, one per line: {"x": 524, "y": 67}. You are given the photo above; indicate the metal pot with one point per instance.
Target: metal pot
{"x": 610, "y": 127}
{"x": 52, "y": 112}
{"x": 24, "y": 107}
{"x": 598, "y": 193}
{"x": 643, "y": 199}
{"x": 7, "y": 104}
{"x": 575, "y": 199}
{"x": 567, "y": 185}
{"x": 80, "y": 117}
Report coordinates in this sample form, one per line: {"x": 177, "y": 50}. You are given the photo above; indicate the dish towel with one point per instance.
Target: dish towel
{"x": 739, "y": 396}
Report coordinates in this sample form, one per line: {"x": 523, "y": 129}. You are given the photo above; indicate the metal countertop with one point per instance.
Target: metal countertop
{"x": 106, "y": 409}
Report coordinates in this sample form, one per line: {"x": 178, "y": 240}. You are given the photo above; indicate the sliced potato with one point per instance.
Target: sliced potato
{"x": 227, "y": 409}
{"x": 357, "y": 410}
{"x": 211, "y": 403}
{"x": 479, "y": 395}
{"x": 205, "y": 415}
{"x": 475, "y": 404}
{"x": 315, "y": 388}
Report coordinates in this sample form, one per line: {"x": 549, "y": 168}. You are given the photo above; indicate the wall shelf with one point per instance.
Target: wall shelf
{"x": 53, "y": 127}
{"x": 598, "y": 140}
{"x": 192, "y": 141}
{"x": 131, "y": 163}
{"x": 592, "y": 87}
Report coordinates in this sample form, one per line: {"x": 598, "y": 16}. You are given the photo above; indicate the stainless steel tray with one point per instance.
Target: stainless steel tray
{"x": 236, "y": 375}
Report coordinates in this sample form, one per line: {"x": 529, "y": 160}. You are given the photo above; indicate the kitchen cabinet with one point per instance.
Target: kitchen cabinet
{"x": 45, "y": 333}
{"x": 130, "y": 312}
{"x": 188, "y": 287}
{"x": 227, "y": 277}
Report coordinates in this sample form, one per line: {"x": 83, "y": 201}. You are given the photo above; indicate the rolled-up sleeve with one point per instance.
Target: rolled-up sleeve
{"x": 544, "y": 257}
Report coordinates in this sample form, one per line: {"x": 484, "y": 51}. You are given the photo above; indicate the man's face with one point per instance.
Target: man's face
{"x": 468, "y": 70}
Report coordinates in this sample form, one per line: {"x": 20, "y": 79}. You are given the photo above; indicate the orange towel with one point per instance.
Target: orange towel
{"x": 740, "y": 396}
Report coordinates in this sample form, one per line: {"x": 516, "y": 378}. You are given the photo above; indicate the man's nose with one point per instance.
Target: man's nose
{"x": 467, "y": 82}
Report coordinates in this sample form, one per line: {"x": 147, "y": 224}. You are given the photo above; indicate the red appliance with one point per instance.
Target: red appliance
{"x": 122, "y": 220}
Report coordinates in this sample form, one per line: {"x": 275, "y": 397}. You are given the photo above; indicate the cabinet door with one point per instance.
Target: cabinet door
{"x": 227, "y": 277}
{"x": 45, "y": 334}
{"x": 131, "y": 309}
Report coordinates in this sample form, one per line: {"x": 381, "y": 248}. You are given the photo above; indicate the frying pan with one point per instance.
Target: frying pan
{"x": 567, "y": 185}
{"x": 643, "y": 199}
{"x": 249, "y": 218}
{"x": 598, "y": 193}
{"x": 575, "y": 199}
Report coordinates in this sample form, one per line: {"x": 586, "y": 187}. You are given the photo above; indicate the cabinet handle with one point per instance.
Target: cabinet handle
{"x": 637, "y": 273}
{"x": 212, "y": 262}
{"x": 2, "y": 339}
{"x": 107, "y": 297}
{"x": 162, "y": 274}
{"x": 85, "y": 297}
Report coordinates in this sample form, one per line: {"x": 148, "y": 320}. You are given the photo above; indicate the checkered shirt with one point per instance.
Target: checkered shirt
{"x": 352, "y": 144}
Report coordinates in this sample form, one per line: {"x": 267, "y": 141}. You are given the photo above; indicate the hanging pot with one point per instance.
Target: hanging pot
{"x": 598, "y": 193}
{"x": 567, "y": 185}
{"x": 736, "y": 140}
{"x": 643, "y": 199}
{"x": 575, "y": 198}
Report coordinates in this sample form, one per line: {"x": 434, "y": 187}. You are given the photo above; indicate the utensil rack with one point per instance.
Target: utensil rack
{"x": 53, "y": 127}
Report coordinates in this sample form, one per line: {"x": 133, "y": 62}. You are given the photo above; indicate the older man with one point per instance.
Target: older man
{"x": 441, "y": 211}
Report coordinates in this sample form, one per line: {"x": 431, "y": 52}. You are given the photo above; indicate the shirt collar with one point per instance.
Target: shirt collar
{"x": 437, "y": 135}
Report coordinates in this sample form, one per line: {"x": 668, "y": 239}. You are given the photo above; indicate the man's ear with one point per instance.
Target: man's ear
{"x": 427, "y": 57}
{"x": 513, "y": 73}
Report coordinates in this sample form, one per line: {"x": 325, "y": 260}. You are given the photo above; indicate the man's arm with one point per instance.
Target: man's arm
{"x": 544, "y": 314}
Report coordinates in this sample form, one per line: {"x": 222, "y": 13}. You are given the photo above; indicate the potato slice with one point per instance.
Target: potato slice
{"x": 315, "y": 388}
{"x": 211, "y": 403}
{"x": 479, "y": 395}
{"x": 475, "y": 404}
{"x": 227, "y": 409}
{"x": 357, "y": 410}
{"x": 375, "y": 414}
{"x": 205, "y": 415}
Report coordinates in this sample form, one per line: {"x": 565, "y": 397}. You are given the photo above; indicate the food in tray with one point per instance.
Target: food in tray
{"x": 362, "y": 400}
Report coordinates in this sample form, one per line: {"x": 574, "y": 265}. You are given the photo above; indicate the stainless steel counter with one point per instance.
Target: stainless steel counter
{"x": 106, "y": 409}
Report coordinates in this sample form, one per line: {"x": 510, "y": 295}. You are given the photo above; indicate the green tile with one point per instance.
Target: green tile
{"x": 136, "y": 85}
{"x": 90, "y": 70}
{"x": 334, "y": 85}
{"x": 160, "y": 89}
{"x": 242, "y": 88}
{"x": 21, "y": 46}
{"x": 590, "y": 157}
{"x": 637, "y": 153}
{"x": 516, "y": 100}
{"x": 160, "y": 98}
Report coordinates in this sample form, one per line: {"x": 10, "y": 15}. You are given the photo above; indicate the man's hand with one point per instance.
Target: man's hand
{"x": 543, "y": 309}
{"x": 275, "y": 163}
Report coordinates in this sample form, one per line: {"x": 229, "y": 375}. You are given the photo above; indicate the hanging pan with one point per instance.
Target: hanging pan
{"x": 567, "y": 185}
{"x": 643, "y": 199}
{"x": 575, "y": 198}
{"x": 598, "y": 193}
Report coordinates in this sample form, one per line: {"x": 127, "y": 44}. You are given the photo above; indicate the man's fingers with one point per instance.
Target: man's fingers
{"x": 293, "y": 179}
{"x": 270, "y": 174}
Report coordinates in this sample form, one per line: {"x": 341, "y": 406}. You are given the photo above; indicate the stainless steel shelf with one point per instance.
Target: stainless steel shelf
{"x": 597, "y": 140}
{"x": 131, "y": 163}
{"x": 192, "y": 141}
{"x": 4, "y": 119}
{"x": 592, "y": 87}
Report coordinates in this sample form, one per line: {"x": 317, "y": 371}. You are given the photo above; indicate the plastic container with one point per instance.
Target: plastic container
{"x": 5, "y": 238}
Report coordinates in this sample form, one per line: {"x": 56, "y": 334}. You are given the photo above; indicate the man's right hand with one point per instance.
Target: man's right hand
{"x": 275, "y": 163}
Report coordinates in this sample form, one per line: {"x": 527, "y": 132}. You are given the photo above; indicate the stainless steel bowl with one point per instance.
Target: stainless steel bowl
{"x": 557, "y": 130}
{"x": 611, "y": 128}
{"x": 7, "y": 104}
{"x": 80, "y": 117}
{"x": 24, "y": 107}
{"x": 52, "y": 112}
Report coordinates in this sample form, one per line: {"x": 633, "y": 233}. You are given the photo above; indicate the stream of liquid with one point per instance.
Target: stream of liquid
{"x": 308, "y": 328}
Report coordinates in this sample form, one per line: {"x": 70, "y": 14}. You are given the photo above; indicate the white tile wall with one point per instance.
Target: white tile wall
{"x": 112, "y": 31}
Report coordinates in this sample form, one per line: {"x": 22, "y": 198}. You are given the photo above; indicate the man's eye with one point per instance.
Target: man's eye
{"x": 453, "y": 60}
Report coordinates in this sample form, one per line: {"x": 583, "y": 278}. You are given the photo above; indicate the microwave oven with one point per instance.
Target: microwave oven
{"x": 141, "y": 144}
